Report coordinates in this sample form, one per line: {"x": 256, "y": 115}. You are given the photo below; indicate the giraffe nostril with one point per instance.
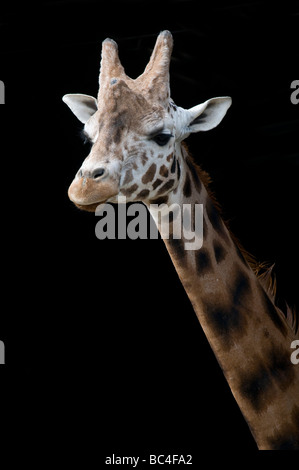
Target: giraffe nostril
{"x": 98, "y": 173}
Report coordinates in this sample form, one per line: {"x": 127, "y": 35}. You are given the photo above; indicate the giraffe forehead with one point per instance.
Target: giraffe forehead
{"x": 143, "y": 122}
{"x": 121, "y": 96}
{"x": 131, "y": 106}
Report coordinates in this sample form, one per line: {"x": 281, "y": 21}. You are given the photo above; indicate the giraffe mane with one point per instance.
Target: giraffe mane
{"x": 264, "y": 270}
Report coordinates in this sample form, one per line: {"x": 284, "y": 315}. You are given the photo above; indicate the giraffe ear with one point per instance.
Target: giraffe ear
{"x": 208, "y": 115}
{"x": 83, "y": 106}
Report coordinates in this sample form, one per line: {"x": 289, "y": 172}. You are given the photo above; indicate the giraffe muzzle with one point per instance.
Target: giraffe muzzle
{"x": 91, "y": 188}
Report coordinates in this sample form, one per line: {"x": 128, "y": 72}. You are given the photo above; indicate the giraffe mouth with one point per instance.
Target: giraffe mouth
{"x": 92, "y": 206}
{"x": 89, "y": 207}
{"x": 88, "y": 195}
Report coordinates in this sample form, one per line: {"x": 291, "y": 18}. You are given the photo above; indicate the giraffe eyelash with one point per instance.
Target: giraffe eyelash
{"x": 162, "y": 138}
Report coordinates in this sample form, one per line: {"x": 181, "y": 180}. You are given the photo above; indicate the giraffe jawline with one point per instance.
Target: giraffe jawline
{"x": 89, "y": 207}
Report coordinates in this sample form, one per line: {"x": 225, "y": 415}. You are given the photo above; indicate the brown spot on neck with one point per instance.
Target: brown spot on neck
{"x": 129, "y": 191}
{"x": 216, "y": 221}
{"x": 160, "y": 200}
{"x": 187, "y": 186}
{"x": 219, "y": 251}
{"x": 166, "y": 187}
{"x": 143, "y": 194}
{"x": 203, "y": 262}
{"x": 163, "y": 171}
{"x": 157, "y": 183}
{"x": 173, "y": 166}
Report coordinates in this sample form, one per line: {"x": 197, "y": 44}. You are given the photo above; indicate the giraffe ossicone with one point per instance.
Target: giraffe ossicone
{"x": 138, "y": 153}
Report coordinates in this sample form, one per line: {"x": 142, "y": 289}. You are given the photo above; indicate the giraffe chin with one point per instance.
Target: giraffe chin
{"x": 89, "y": 207}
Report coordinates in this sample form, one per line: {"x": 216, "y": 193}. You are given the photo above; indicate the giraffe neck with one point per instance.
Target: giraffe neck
{"x": 249, "y": 336}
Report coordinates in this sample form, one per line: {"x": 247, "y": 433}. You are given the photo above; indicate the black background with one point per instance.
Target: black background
{"x": 104, "y": 328}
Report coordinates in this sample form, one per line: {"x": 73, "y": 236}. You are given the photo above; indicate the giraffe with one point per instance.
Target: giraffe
{"x": 138, "y": 152}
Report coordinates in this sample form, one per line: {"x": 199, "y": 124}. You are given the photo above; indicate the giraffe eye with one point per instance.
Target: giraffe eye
{"x": 162, "y": 139}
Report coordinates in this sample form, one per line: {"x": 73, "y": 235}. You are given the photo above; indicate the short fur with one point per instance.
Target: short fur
{"x": 263, "y": 270}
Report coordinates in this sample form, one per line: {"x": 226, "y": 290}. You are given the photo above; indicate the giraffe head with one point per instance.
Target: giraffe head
{"x": 134, "y": 128}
